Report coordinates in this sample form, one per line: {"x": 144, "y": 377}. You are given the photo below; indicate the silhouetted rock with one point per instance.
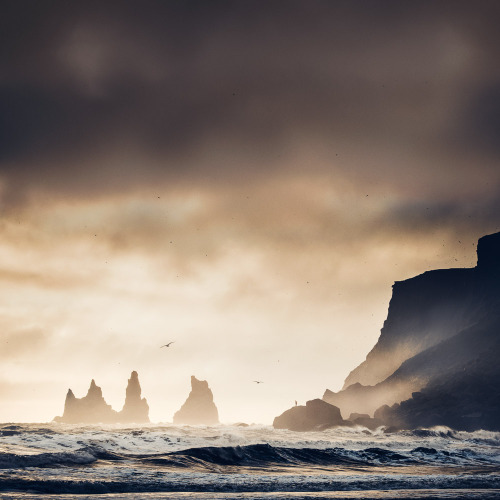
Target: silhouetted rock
{"x": 423, "y": 311}
{"x": 488, "y": 252}
{"x": 315, "y": 415}
{"x": 385, "y": 411}
{"x": 199, "y": 408}
{"x": 466, "y": 394}
{"x": 362, "y": 398}
{"x": 364, "y": 420}
{"x": 439, "y": 324}
{"x": 135, "y": 409}
{"x": 436, "y": 361}
{"x": 93, "y": 409}
{"x": 368, "y": 422}
{"x": 354, "y": 416}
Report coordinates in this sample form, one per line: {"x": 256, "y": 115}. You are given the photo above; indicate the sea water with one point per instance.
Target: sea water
{"x": 63, "y": 461}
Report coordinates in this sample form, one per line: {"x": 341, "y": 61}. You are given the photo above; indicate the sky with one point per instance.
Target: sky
{"x": 247, "y": 179}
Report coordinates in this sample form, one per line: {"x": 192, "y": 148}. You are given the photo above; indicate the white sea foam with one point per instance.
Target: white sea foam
{"x": 54, "y": 458}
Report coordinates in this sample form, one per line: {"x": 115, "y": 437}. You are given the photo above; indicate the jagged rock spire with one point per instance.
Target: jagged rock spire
{"x": 199, "y": 407}
{"x": 135, "y": 409}
{"x": 93, "y": 409}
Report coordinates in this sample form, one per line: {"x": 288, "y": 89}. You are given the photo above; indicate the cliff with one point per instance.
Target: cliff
{"x": 432, "y": 307}
{"x": 423, "y": 311}
{"x": 199, "y": 407}
{"x": 464, "y": 392}
{"x": 93, "y": 409}
{"x": 441, "y": 326}
{"x": 436, "y": 360}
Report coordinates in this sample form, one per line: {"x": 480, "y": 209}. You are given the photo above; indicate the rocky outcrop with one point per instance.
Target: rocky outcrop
{"x": 316, "y": 415}
{"x": 464, "y": 393}
{"x": 199, "y": 408}
{"x": 93, "y": 409}
{"x": 436, "y": 361}
{"x": 488, "y": 254}
{"x": 359, "y": 398}
{"x": 364, "y": 420}
{"x": 423, "y": 311}
{"x": 427, "y": 335}
{"x": 135, "y": 409}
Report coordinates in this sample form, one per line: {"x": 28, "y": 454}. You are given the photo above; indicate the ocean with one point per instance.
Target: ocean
{"x": 61, "y": 461}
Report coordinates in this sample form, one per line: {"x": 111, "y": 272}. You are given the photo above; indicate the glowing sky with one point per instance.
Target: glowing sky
{"x": 246, "y": 178}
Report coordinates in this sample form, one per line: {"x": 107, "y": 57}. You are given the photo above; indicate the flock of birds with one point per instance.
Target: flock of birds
{"x": 173, "y": 342}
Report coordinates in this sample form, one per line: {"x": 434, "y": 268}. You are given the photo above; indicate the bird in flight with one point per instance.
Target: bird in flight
{"x": 258, "y": 381}
{"x": 168, "y": 345}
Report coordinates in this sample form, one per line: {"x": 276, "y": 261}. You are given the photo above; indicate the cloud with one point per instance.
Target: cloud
{"x": 21, "y": 342}
{"x": 234, "y": 169}
{"x": 106, "y": 97}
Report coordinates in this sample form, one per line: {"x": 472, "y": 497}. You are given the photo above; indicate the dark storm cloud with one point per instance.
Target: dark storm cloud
{"x": 191, "y": 89}
{"x": 481, "y": 122}
{"x": 462, "y": 218}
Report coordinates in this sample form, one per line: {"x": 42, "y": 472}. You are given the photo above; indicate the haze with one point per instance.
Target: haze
{"x": 247, "y": 179}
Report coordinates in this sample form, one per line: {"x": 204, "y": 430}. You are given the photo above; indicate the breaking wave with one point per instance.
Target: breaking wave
{"x": 59, "y": 459}
{"x": 262, "y": 455}
{"x": 82, "y": 456}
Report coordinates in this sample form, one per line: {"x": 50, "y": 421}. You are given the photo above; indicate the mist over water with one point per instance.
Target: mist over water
{"x": 238, "y": 462}
{"x": 246, "y": 180}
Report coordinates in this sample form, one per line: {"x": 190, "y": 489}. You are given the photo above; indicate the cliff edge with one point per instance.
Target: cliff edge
{"x": 422, "y": 339}
{"x": 435, "y": 362}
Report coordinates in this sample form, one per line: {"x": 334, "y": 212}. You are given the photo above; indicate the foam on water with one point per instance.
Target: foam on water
{"x": 72, "y": 459}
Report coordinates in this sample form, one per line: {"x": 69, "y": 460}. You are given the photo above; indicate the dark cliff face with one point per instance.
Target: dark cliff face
{"x": 488, "y": 254}
{"x": 465, "y": 391}
{"x": 423, "y": 311}
{"x": 93, "y": 409}
{"x": 199, "y": 408}
{"x": 439, "y": 325}
{"x": 430, "y": 308}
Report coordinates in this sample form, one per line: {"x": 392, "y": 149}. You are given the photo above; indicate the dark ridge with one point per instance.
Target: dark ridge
{"x": 437, "y": 354}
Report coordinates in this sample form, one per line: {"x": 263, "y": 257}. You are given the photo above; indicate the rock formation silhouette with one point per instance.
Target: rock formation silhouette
{"x": 90, "y": 409}
{"x": 135, "y": 409}
{"x": 316, "y": 415}
{"x": 436, "y": 360}
{"x": 199, "y": 407}
{"x": 438, "y": 323}
{"x": 93, "y": 409}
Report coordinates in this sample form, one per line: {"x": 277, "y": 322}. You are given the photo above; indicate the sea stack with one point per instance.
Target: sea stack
{"x": 135, "y": 409}
{"x": 93, "y": 409}
{"x": 199, "y": 408}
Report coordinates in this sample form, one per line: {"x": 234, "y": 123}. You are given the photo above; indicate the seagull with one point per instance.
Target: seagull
{"x": 258, "y": 382}
{"x": 168, "y": 345}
